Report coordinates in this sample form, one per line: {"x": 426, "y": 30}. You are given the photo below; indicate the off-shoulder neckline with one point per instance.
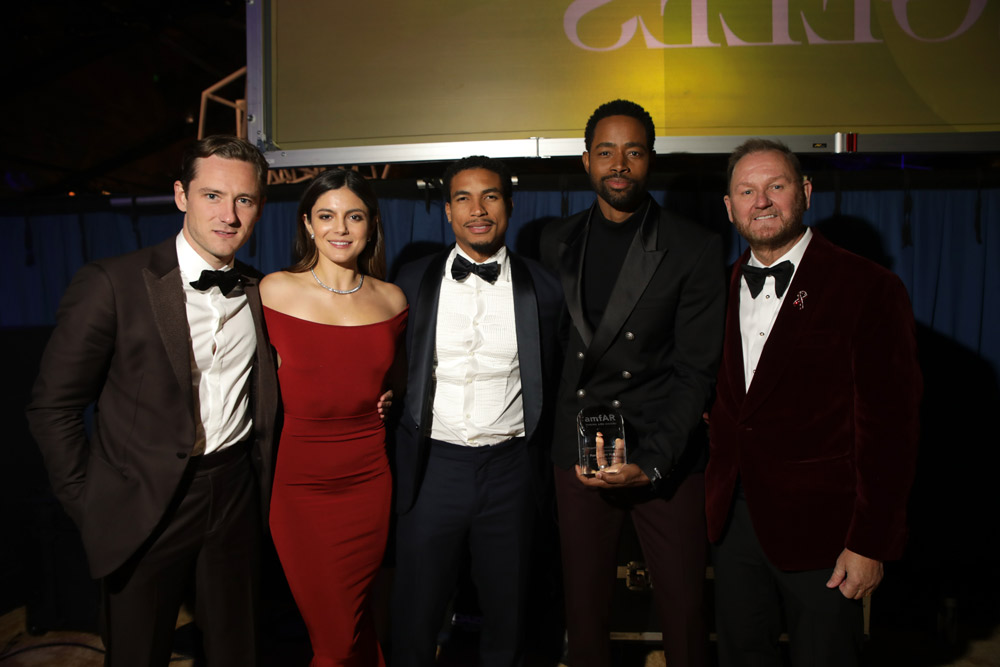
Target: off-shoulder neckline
{"x": 343, "y": 326}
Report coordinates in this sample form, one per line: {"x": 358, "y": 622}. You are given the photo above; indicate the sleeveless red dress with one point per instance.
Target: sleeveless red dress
{"x": 332, "y": 488}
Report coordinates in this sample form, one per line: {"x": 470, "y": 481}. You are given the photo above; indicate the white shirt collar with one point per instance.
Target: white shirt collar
{"x": 794, "y": 254}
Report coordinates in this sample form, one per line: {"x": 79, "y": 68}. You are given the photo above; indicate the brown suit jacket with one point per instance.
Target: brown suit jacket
{"x": 825, "y": 440}
{"x": 122, "y": 340}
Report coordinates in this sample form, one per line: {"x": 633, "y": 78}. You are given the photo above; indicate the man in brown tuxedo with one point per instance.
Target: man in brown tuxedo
{"x": 170, "y": 488}
{"x": 813, "y": 431}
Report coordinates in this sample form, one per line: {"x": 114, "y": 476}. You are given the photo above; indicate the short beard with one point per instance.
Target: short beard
{"x": 792, "y": 231}
{"x": 628, "y": 200}
{"x": 487, "y": 248}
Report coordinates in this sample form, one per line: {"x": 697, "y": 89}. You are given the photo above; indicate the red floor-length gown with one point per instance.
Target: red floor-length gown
{"x": 332, "y": 487}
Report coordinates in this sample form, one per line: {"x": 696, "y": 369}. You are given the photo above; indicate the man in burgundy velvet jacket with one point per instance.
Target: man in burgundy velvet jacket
{"x": 814, "y": 429}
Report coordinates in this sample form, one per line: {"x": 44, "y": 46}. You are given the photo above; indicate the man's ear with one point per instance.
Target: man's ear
{"x": 586, "y": 161}
{"x": 180, "y": 197}
{"x": 447, "y": 210}
{"x": 729, "y": 207}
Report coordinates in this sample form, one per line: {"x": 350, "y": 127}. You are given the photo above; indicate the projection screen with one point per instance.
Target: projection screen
{"x": 333, "y": 82}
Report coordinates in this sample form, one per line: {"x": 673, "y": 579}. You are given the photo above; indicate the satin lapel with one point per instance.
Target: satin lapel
{"x": 166, "y": 297}
{"x": 789, "y": 326}
{"x": 641, "y": 262}
{"x": 529, "y": 354}
{"x": 423, "y": 321}
{"x": 733, "y": 346}
{"x": 264, "y": 367}
{"x": 571, "y": 253}
{"x": 252, "y": 291}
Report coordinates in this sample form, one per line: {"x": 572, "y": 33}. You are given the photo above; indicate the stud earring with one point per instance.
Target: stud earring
{"x": 312, "y": 236}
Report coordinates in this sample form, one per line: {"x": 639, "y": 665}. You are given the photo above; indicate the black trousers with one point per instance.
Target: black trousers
{"x": 672, "y": 534}
{"x": 211, "y": 537}
{"x": 825, "y": 628}
{"x": 471, "y": 497}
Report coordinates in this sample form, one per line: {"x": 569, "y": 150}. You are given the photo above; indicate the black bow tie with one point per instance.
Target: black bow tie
{"x": 462, "y": 267}
{"x": 224, "y": 280}
{"x": 755, "y": 276}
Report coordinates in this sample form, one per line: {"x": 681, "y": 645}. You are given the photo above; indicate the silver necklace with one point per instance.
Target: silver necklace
{"x": 334, "y": 289}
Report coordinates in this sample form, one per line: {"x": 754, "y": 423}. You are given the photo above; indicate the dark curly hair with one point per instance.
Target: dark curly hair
{"x": 620, "y": 108}
{"x": 480, "y": 162}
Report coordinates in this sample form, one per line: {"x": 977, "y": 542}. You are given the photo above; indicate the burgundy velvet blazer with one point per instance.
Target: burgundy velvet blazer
{"x": 825, "y": 440}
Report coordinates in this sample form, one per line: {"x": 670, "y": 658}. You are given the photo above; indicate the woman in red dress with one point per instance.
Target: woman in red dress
{"x": 338, "y": 331}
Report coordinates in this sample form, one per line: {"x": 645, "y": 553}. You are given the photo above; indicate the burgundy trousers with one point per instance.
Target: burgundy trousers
{"x": 672, "y": 534}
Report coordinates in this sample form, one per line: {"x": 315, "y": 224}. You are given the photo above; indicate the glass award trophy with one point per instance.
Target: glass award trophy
{"x": 600, "y": 434}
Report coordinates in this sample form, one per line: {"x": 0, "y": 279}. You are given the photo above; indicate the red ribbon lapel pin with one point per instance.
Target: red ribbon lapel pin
{"x": 800, "y": 302}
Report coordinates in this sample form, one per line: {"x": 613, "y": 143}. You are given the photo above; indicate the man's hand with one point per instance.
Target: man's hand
{"x": 617, "y": 476}
{"x": 855, "y": 575}
{"x": 384, "y": 403}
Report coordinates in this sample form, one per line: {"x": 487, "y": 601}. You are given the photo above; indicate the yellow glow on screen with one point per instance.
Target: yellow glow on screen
{"x": 386, "y": 72}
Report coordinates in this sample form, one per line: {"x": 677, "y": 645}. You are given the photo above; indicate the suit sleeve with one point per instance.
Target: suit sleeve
{"x": 72, "y": 372}
{"x": 699, "y": 325}
{"x": 887, "y": 389}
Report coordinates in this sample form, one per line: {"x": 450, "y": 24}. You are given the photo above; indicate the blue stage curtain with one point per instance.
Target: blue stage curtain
{"x": 940, "y": 243}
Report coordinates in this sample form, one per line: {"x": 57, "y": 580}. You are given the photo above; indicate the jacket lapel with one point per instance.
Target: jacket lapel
{"x": 789, "y": 326}
{"x": 571, "y": 252}
{"x": 641, "y": 262}
{"x": 166, "y": 298}
{"x": 529, "y": 352}
{"x": 733, "y": 346}
{"x": 265, "y": 398}
{"x": 423, "y": 325}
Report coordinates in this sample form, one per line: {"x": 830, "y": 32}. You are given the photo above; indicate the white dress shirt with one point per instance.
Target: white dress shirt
{"x": 223, "y": 342}
{"x": 757, "y": 316}
{"x": 477, "y": 394}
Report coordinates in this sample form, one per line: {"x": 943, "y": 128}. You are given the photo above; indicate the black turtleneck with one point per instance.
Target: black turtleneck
{"x": 607, "y": 244}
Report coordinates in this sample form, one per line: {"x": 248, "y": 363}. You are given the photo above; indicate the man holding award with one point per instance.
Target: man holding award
{"x": 645, "y": 296}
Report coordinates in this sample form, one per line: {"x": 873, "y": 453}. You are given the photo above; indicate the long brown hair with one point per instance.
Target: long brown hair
{"x": 372, "y": 259}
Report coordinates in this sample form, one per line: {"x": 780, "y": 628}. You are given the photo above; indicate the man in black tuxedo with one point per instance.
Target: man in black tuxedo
{"x": 481, "y": 336}
{"x": 169, "y": 342}
{"x": 646, "y": 299}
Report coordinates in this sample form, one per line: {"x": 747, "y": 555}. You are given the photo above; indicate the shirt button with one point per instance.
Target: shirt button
{"x": 579, "y": 355}
{"x": 761, "y": 333}
{"x": 580, "y": 393}
{"x": 767, "y": 296}
{"x": 626, "y": 375}
{"x": 616, "y": 403}
{"x": 629, "y": 335}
